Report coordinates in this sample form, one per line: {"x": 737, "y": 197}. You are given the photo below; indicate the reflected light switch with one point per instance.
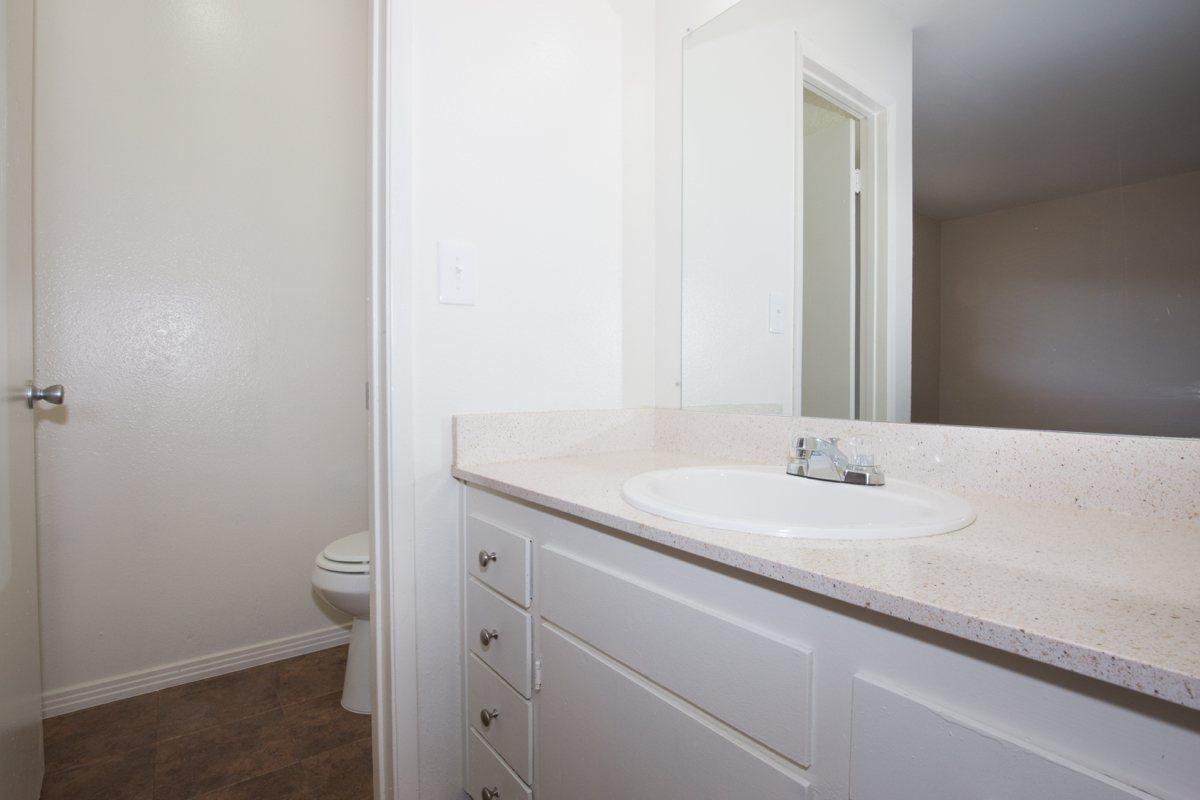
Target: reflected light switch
{"x": 777, "y": 312}
{"x": 456, "y": 273}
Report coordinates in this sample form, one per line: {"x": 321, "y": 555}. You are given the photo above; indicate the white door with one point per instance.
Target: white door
{"x": 829, "y": 351}
{"x": 20, "y": 662}
{"x": 200, "y": 251}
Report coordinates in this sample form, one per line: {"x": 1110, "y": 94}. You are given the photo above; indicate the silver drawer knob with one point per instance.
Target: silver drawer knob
{"x": 485, "y": 558}
{"x": 51, "y": 394}
{"x": 486, "y": 717}
{"x": 490, "y": 794}
{"x": 486, "y": 637}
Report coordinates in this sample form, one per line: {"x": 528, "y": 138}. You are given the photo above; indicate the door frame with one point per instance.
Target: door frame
{"x": 389, "y": 398}
{"x": 876, "y": 383}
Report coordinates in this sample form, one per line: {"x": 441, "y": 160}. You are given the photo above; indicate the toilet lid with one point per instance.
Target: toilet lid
{"x": 353, "y": 549}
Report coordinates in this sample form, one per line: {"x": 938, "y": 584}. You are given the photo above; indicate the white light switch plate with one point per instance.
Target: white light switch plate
{"x": 456, "y": 273}
{"x": 777, "y": 312}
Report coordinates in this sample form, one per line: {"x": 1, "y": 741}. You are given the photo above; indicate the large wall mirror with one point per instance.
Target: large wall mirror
{"x": 1042, "y": 269}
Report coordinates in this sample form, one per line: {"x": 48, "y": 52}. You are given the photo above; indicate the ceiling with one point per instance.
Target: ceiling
{"x": 1018, "y": 101}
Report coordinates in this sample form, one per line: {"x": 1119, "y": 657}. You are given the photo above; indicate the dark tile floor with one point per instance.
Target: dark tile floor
{"x": 275, "y": 732}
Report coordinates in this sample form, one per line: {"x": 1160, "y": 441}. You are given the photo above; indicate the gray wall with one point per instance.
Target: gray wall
{"x": 927, "y": 318}
{"x": 1081, "y": 313}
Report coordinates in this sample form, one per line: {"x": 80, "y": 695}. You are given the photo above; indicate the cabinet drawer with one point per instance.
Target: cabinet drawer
{"x": 499, "y": 558}
{"x": 509, "y": 653}
{"x": 486, "y": 770}
{"x": 604, "y": 733}
{"x": 903, "y": 748}
{"x": 500, "y": 716}
{"x": 741, "y": 675}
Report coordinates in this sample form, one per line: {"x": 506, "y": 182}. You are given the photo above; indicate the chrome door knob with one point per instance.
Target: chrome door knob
{"x": 485, "y": 558}
{"x": 486, "y": 717}
{"x": 51, "y": 394}
{"x": 489, "y": 794}
{"x": 486, "y": 637}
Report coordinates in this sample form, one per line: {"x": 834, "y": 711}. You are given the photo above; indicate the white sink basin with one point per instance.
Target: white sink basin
{"x": 768, "y": 500}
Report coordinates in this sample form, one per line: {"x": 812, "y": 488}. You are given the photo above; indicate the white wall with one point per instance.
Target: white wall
{"x": 531, "y": 134}
{"x": 637, "y": 178}
{"x": 864, "y": 44}
{"x": 201, "y": 257}
{"x": 739, "y": 210}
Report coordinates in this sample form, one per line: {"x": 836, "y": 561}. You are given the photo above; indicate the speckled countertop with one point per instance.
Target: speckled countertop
{"x": 1109, "y": 596}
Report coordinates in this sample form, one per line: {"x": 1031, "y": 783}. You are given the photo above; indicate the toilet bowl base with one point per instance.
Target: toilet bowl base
{"x": 356, "y": 688}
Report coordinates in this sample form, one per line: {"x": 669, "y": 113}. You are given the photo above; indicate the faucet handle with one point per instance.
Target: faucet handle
{"x": 861, "y": 450}
{"x": 863, "y": 468}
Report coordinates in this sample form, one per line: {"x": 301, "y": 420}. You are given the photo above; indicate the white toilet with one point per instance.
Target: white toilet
{"x": 342, "y": 577}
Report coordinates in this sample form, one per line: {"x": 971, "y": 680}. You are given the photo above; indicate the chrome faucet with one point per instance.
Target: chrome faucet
{"x": 822, "y": 460}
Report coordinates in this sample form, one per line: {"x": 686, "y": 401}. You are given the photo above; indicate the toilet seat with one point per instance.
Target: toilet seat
{"x": 350, "y": 554}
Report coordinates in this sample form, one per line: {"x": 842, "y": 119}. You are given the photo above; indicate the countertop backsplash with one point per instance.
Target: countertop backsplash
{"x": 1133, "y": 475}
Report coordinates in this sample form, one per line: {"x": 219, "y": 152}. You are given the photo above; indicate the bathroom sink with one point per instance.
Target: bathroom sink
{"x": 768, "y": 500}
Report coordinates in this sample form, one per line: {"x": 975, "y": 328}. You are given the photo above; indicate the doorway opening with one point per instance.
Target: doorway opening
{"x": 843, "y": 356}
{"x": 827, "y": 275}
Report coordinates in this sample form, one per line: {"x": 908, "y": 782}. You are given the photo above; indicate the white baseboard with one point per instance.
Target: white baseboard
{"x": 106, "y": 690}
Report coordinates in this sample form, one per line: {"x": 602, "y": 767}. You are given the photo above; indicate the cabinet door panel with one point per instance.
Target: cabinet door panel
{"x": 603, "y": 734}
{"x": 905, "y": 749}
{"x": 748, "y": 679}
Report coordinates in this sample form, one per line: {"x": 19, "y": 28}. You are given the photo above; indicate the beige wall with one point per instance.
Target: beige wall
{"x": 201, "y": 273}
{"x": 1076, "y": 314}
{"x": 927, "y": 318}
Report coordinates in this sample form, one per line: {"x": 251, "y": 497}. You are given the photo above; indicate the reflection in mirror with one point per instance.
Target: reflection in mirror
{"x": 828, "y": 344}
{"x": 1057, "y": 228}
{"x": 1055, "y": 277}
{"x": 739, "y": 224}
{"x": 771, "y": 286}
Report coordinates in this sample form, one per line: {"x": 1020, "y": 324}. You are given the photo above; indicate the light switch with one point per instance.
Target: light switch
{"x": 456, "y": 273}
{"x": 777, "y": 312}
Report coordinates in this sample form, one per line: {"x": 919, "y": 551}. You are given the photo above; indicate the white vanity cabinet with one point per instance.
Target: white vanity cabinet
{"x": 629, "y": 670}
{"x": 958, "y": 755}
{"x": 604, "y": 732}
